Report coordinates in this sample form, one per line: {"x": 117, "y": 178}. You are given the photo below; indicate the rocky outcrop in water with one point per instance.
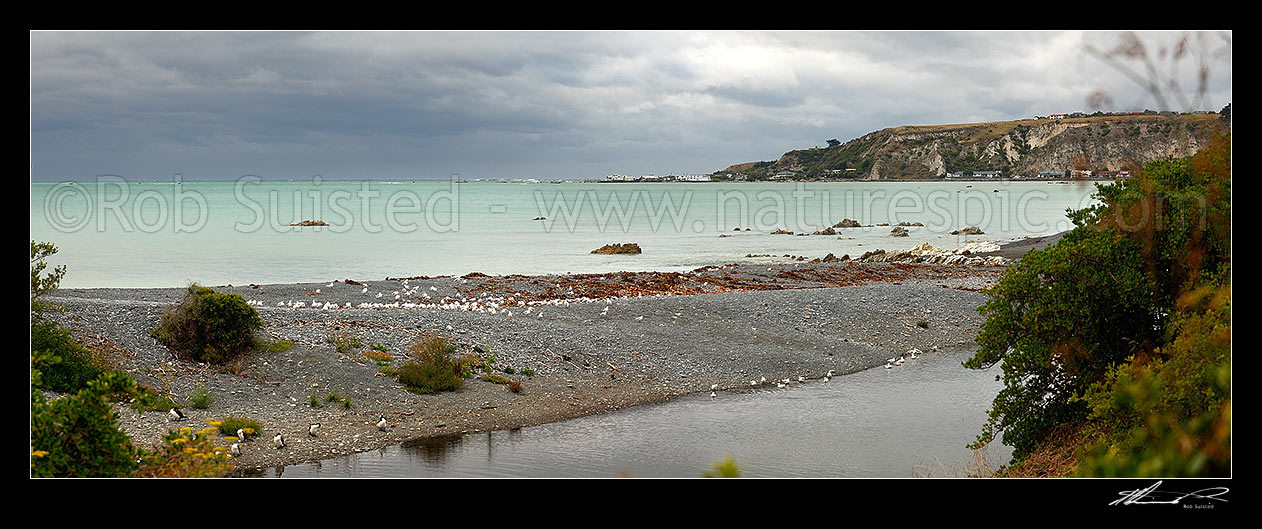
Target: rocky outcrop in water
{"x": 926, "y": 253}
{"x": 618, "y": 248}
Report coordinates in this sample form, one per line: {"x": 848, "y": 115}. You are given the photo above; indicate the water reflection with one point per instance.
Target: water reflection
{"x": 914, "y": 420}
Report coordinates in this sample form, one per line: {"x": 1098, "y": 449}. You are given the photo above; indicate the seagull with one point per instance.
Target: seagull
{"x": 279, "y": 441}
{"x": 831, "y": 374}
{"x": 311, "y": 430}
{"x": 175, "y": 414}
{"x": 714, "y": 387}
{"x": 381, "y": 425}
{"x": 801, "y": 379}
{"x": 241, "y": 434}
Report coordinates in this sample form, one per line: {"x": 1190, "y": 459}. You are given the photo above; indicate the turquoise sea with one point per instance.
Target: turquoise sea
{"x": 111, "y": 232}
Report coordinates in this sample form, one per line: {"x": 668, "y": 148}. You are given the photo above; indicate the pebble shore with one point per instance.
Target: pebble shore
{"x": 590, "y": 343}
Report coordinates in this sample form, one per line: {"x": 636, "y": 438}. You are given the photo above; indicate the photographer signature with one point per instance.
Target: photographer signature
{"x": 1151, "y": 495}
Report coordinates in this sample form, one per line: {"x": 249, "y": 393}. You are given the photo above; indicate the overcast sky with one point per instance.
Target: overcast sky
{"x": 384, "y": 105}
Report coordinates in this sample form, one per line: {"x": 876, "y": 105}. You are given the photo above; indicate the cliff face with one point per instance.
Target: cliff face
{"x": 1017, "y": 148}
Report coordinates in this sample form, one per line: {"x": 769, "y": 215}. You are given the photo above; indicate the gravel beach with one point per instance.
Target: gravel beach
{"x": 590, "y": 343}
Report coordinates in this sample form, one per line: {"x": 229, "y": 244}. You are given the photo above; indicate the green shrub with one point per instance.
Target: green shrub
{"x": 1121, "y": 331}
{"x": 186, "y": 453}
{"x": 43, "y": 284}
{"x": 78, "y": 435}
{"x": 76, "y": 365}
{"x": 200, "y": 398}
{"x": 433, "y": 369}
{"x": 209, "y": 326}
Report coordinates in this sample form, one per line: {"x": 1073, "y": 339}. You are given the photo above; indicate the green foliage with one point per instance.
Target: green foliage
{"x": 209, "y": 326}
{"x": 78, "y": 435}
{"x": 1100, "y": 329}
{"x": 42, "y": 284}
{"x": 200, "y": 398}
{"x": 1170, "y": 417}
{"x": 272, "y": 346}
{"x": 187, "y": 453}
{"x": 75, "y": 366}
{"x": 1057, "y": 319}
{"x": 724, "y": 469}
{"x": 495, "y": 379}
{"x": 433, "y": 369}
{"x": 333, "y": 396}
{"x": 229, "y": 426}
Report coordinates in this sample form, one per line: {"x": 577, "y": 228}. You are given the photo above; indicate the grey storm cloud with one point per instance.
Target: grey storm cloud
{"x": 525, "y": 103}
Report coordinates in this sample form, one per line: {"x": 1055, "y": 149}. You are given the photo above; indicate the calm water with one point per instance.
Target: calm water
{"x": 910, "y": 421}
{"x": 113, "y": 233}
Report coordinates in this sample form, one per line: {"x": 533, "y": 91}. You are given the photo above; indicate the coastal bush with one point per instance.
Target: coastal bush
{"x": 432, "y": 369}
{"x": 42, "y": 283}
{"x": 208, "y": 326}
{"x": 76, "y": 366}
{"x": 200, "y": 398}
{"x": 1122, "y": 329}
{"x": 78, "y": 435}
{"x": 186, "y": 453}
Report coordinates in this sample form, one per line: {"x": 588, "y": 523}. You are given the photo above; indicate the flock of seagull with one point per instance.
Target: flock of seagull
{"x": 413, "y": 297}
{"x": 278, "y": 440}
{"x": 891, "y": 363}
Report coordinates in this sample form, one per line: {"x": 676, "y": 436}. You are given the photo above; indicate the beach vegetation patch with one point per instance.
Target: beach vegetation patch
{"x": 75, "y": 366}
{"x": 431, "y": 369}
{"x": 208, "y": 326}
{"x": 78, "y": 435}
{"x": 272, "y": 346}
{"x": 200, "y": 398}
{"x": 186, "y": 453}
{"x": 344, "y": 342}
{"x": 229, "y": 426}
